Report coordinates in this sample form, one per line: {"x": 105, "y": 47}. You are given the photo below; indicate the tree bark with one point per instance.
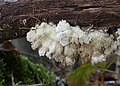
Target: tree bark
{"x": 16, "y": 18}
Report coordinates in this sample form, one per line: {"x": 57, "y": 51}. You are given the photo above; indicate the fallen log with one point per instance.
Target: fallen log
{"x": 16, "y": 18}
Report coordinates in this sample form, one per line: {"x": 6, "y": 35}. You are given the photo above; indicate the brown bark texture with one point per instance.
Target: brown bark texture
{"x": 16, "y": 18}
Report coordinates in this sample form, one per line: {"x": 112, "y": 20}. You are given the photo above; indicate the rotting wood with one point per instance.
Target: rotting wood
{"x": 17, "y": 18}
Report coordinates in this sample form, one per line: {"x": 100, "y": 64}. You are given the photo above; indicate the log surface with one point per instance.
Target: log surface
{"x": 16, "y": 18}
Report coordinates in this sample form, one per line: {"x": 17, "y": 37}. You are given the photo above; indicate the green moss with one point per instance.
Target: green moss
{"x": 24, "y": 71}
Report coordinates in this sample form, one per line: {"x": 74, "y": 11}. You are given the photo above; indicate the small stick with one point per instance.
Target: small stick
{"x": 102, "y": 80}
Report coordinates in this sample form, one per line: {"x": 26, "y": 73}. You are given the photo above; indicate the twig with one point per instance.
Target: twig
{"x": 13, "y": 83}
{"x": 32, "y": 85}
{"x": 109, "y": 71}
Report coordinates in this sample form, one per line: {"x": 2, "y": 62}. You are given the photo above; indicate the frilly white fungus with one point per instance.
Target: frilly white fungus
{"x": 64, "y": 43}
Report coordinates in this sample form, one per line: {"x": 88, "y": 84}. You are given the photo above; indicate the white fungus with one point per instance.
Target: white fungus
{"x": 64, "y": 43}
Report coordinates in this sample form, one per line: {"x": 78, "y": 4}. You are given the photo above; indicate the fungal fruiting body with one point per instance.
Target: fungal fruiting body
{"x": 64, "y": 43}
{"x": 118, "y": 42}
